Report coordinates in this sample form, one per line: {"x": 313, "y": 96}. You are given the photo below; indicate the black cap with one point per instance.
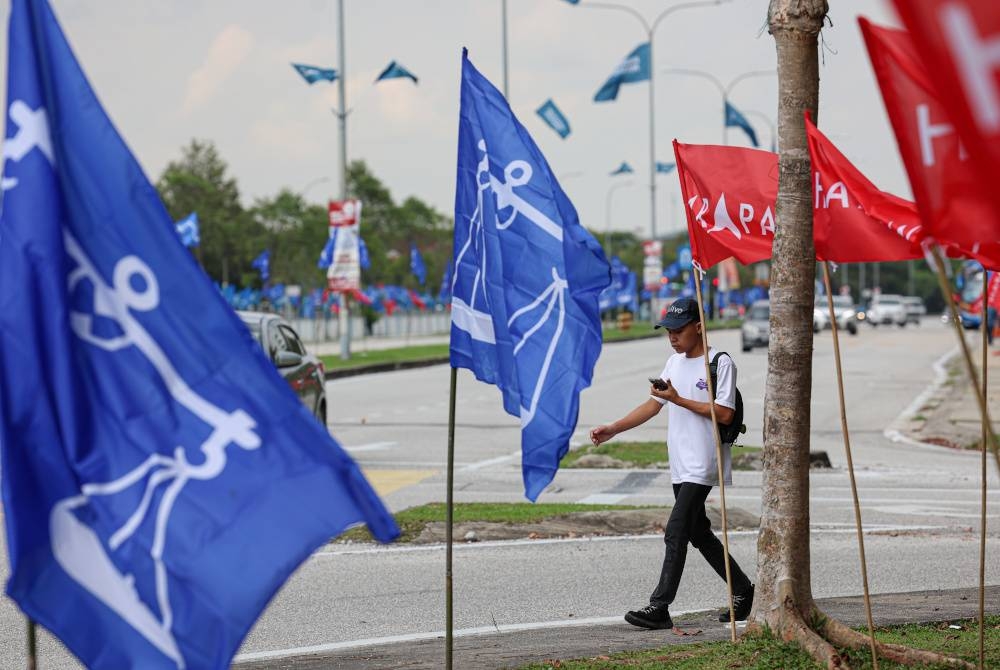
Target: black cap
{"x": 682, "y": 312}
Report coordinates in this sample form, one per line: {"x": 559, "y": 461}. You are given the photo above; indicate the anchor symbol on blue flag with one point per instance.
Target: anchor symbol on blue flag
{"x": 526, "y": 279}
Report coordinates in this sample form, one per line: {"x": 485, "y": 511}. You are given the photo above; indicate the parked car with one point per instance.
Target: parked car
{"x": 843, "y": 308}
{"x": 915, "y": 309}
{"x": 756, "y": 326}
{"x": 887, "y": 309}
{"x": 303, "y": 371}
{"x": 821, "y": 319}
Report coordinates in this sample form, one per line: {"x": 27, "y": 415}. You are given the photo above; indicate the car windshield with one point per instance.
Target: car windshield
{"x": 888, "y": 300}
{"x": 839, "y": 301}
{"x": 759, "y": 313}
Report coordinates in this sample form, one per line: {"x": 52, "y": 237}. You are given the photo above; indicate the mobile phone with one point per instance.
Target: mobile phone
{"x": 659, "y": 384}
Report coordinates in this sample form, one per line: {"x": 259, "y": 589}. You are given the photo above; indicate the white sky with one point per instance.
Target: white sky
{"x": 169, "y": 71}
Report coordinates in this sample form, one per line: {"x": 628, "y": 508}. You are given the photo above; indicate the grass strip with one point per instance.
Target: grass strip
{"x": 638, "y": 454}
{"x": 765, "y": 652}
{"x": 413, "y": 520}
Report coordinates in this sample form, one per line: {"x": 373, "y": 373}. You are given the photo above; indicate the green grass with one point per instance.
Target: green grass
{"x": 412, "y": 521}
{"x": 633, "y": 454}
{"x": 765, "y": 652}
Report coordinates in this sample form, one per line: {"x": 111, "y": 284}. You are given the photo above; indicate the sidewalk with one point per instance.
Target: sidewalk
{"x": 332, "y": 348}
{"x": 513, "y": 649}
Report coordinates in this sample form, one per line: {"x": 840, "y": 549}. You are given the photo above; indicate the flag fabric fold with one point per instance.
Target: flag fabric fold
{"x": 153, "y": 504}
{"x": 734, "y": 118}
{"x": 312, "y": 74}
{"x": 526, "y": 279}
{"x": 853, "y": 221}
{"x": 396, "y": 71}
{"x": 955, "y": 210}
{"x": 554, "y": 118}
{"x": 634, "y": 68}
{"x": 730, "y": 194}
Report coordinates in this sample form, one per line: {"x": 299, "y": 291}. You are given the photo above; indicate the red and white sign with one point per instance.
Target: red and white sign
{"x": 729, "y": 193}
{"x": 344, "y": 273}
{"x": 952, "y": 203}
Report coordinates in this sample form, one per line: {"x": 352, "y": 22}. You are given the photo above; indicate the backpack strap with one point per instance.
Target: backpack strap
{"x": 713, "y": 369}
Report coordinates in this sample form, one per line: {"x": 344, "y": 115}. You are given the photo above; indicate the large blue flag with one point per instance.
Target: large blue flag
{"x": 554, "y": 118}
{"x": 395, "y": 71}
{"x": 633, "y": 69}
{"x": 527, "y": 276}
{"x": 735, "y": 118}
{"x": 160, "y": 479}
{"x": 187, "y": 228}
{"x": 417, "y": 266}
{"x": 312, "y": 74}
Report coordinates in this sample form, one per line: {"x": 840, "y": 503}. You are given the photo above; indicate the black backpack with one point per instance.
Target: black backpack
{"x": 728, "y": 433}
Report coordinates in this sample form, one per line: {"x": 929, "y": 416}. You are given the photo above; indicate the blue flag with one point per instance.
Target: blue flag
{"x": 326, "y": 256}
{"x": 363, "y": 259}
{"x": 263, "y": 265}
{"x": 734, "y": 118}
{"x": 417, "y": 266}
{"x": 624, "y": 168}
{"x": 554, "y": 118}
{"x": 526, "y": 280}
{"x": 187, "y": 228}
{"x": 160, "y": 479}
{"x": 444, "y": 294}
{"x": 395, "y": 71}
{"x": 665, "y": 168}
{"x": 633, "y": 69}
{"x": 312, "y": 74}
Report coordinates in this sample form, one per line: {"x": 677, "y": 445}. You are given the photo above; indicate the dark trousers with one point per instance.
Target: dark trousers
{"x": 688, "y": 523}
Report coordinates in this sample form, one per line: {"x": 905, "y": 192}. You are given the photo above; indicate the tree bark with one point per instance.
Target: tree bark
{"x": 783, "y": 543}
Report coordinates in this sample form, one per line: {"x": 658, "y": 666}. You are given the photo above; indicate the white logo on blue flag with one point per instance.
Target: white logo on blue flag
{"x": 188, "y": 230}
{"x": 526, "y": 280}
{"x": 161, "y": 480}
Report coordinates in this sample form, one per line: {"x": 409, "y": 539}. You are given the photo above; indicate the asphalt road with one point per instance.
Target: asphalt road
{"x": 920, "y": 504}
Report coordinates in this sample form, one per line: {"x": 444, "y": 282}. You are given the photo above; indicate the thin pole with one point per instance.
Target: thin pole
{"x": 449, "y": 522}
{"x": 970, "y": 367}
{"x": 32, "y": 663}
{"x": 345, "y": 315}
{"x": 718, "y": 455}
{"x": 850, "y": 464}
{"x": 987, "y": 428}
{"x": 652, "y": 143}
{"x": 503, "y": 21}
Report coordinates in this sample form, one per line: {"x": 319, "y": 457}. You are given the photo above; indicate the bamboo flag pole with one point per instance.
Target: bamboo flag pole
{"x": 32, "y": 647}
{"x": 718, "y": 454}
{"x": 991, "y": 438}
{"x": 449, "y": 523}
{"x": 850, "y": 462}
{"x": 982, "y": 517}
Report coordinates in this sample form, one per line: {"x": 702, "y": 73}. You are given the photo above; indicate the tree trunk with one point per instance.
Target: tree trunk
{"x": 783, "y": 544}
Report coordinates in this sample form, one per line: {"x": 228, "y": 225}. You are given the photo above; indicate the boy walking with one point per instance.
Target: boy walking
{"x": 693, "y": 467}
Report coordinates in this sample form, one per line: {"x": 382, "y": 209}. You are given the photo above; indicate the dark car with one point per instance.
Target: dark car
{"x": 756, "y": 327}
{"x": 303, "y": 371}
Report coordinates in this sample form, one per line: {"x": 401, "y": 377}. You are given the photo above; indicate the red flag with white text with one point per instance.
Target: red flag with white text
{"x": 953, "y": 207}
{"x": 729, "y": 195}
{"x": 958, "y": 42}
{"x": 853, "y": 221}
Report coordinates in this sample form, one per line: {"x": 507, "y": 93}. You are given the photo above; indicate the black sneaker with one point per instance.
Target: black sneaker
{"x": 742, "y": 603}
{"x": 650, "y": 616}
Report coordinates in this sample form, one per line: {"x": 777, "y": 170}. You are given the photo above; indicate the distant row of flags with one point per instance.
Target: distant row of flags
{"x": 313, "y": 74}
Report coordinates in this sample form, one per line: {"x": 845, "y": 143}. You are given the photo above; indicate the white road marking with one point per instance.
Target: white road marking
{"x": 493, "y": 461}
{"x": 372, "y": 446}
{"x": 603, "y": 499}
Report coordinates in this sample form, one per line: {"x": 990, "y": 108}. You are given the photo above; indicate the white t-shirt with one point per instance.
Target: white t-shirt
{"x": 690, "y": 438}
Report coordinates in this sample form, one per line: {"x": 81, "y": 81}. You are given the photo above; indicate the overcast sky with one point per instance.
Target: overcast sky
{"x": 169, "y": 71}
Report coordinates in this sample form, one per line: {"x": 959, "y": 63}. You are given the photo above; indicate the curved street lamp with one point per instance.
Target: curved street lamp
{"x": 650, "y": 30}
{"x": 724, "y": 89}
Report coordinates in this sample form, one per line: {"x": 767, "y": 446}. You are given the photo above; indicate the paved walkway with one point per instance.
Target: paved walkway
{"x": 516, "y": 648}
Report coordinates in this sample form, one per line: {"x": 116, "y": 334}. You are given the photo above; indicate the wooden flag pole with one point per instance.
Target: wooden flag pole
{"x": 982, "y": 518}
{"x": 850, "y": 462}
{"x": 991, "y": 438}
{"x": 32, "y": 663}
{"x": 718, "y": 455}
{"x": 449, "y": 522}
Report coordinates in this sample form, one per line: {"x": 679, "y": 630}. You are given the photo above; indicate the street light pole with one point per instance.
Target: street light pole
{"x": 345, "y": 317}
{"x": 724, "y": 89}
{"x": 650, "y": 29}
{"x": 503, "y": 21}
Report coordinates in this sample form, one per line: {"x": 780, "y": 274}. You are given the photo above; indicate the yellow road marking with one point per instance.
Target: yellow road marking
{"x": 388, "y": 481}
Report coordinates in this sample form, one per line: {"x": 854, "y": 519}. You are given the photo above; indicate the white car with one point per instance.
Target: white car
{"x": 915, "y": 309}
{"x": 843, "y": 308}
{"x": 887, "y": 309}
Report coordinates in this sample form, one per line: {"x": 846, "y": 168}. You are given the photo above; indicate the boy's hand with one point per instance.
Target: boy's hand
{"x": 669, "y": 394}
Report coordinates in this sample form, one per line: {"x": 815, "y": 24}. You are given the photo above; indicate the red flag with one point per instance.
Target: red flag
{"x": 853, "y": 221}
{"x": 959, "y": 45}
{"x": 421, "y": 305}
{"x": 730, "y": 194}
{"x": 993, "y": 291}
{"x": 954, "y": 209}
